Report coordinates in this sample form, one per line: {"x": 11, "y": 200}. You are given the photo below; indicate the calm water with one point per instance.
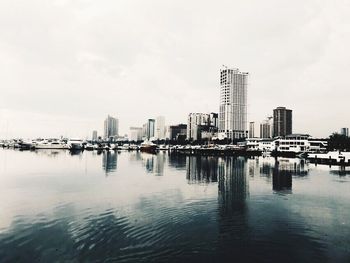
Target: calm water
{"x": 132, "y": 207}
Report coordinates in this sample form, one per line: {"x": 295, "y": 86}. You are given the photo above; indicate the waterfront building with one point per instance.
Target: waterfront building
{"x": 136, "y": 133}
{"x": 233, "y": 103}
{"x": 94, "y": 135}
{"x": 344, "y": 131}
{"x": 177, "y": 130}
{"x": 266, "y": 128}
{"x": 251, "y": 129}
{"x": 214, "y": 119}
{"x": 160, "y": 127}
{"x": 151, "y": 128}
{"x": 282, "y": 122}
{"x": 199, "y": 124}
{"x": 111, "y": 126}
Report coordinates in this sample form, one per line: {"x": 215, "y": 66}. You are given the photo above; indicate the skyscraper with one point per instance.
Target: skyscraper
{"x": 194, "y": 123}
{"x": 150, "y": 128}
{"x": 282, "y": 121}
{"x": 160, "y": 127}
{"x": 233, "y": 103}
{"x": 266, "y": 128}
{"x": 111, "y": 126}
{"x": 251, "y": 129}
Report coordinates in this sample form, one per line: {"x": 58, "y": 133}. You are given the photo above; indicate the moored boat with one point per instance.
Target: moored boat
{"x": 149, "y": 147}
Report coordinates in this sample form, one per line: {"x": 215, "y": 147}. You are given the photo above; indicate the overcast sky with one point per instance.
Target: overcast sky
{"x": 65, "y": 65}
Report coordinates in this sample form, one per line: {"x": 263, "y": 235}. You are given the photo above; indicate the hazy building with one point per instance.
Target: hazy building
{"x": 233, "y": 103}
{"x": 282, "y": 121}
{"x": 177, "y": 130}
{"x": 160, "y": 127}
{"x": 94, "y": 135}
{"x": 151, "y": 128}
{"x": 251, "y": 129}
{"x": 214, "y": 119}
{"x": 266, "y": 128}
{"x": 194, "y": 123}
{"x": 344, "y": 131}
{"x": 135, "y": 134}
{"x": 111, "y": 126}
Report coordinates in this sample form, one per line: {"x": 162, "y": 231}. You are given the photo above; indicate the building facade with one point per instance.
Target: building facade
{"x": 266, "y": 128}
{"x": 282, "y": 122}
{"x": 111, "y": 126}
{"x": 94, "y": 135}
{"x": 344, "y": 131}
{"x": 233, "y": 103}
{"x": 177, "y": 130}
{"x": 194, "y": 123}
{"x": 135, "y": 134}
{"x": 251, "y": 129}
{"x": 151, "y": 128}
{"x": 160, "y": 127}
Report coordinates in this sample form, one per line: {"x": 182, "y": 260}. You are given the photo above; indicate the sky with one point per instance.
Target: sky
{"x": 65, "y": 65}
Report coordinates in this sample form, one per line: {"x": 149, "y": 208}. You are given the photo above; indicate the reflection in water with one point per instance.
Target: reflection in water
{"x": 177, "y": 161}
{"x": 202, "y": 169}
{"x": 109, "y": 161}
{"x": 154, "y": 163}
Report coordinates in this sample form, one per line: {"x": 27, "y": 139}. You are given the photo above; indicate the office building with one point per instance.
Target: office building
{"x": 94, "y": 135}
{"x": 160, "y": 128}
{"x": 177, "y": 130}
{"x": 151, "y": 128}
{"x": 282, "y": 122}
{"x": 266, "y": 128}
{"x": 135, "y": 134}
{"x": 111, "y": 125}
{"x": 233, "y": 103}
{"x": 344, "y": 131}
{"x": 194, "y": 123}
{"x": 251, "y": 129}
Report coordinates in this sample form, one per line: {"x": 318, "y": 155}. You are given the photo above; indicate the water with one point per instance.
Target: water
{"x": 137, "y": 207}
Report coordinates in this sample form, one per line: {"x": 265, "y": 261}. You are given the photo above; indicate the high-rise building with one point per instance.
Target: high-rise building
{"x": 251, "y": 129}
{"x": 344, "y": 131}
{"x": 266, "y": 128}
{"x": 151, "y": 128}
{"x": 194, "y": 123}
{"x": 160, "y": 127}
{"x": 94, "y": 135}
{"x": 282, "y": 121}
{"x": 233, "y": 103}
{"x": 111, "y": 126}
{"x": 135, "y": 134}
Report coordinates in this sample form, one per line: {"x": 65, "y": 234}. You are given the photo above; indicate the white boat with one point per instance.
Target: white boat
{"x": 75, "y": 144}
{"x": 50, "y": 145}
{"x": 89, "y": 147}
{"x": 336, "y": 157}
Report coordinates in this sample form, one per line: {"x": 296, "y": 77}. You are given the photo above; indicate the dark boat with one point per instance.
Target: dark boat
{"x": 148, "y": 147}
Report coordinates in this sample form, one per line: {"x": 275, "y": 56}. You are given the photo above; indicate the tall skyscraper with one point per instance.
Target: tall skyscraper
{"x": 160, "y": 127}
{"x": 251, "y": 129}
{"x": 111, "y": 126}
{"x": 151, "y": 128}
{"x": 94, "y": 135}
{"x": 266, "y": 128}
{"x": 282, "y": 121}
{"x": 344, "y": 131}
{"x": 233, "y": 103}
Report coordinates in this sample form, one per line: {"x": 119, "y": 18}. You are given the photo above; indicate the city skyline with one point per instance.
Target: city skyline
{"x": 66, "y": 65}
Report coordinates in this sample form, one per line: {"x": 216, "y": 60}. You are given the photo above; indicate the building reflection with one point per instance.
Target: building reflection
{"x": 177, "y": 161}
{"x": 202, "y": 169}
{"x": 233, "y": 191}
{"x": 154, "y": 163}
{"x": 109, "y": 161}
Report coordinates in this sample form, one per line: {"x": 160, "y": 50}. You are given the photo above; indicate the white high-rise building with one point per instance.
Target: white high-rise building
{"x": 135, "y": 134}
{"x": 160, "y": 127}
{"x": 233, "y": 103}
{"x": 111, "y": 126}
{"x": 194, "y": 122}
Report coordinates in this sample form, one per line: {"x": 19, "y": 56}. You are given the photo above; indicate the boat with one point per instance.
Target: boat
{"x": 89, "y": 147}
{"x": 149, "y": 147}
{"x": 331, "y": 157}
{"x": 50, "y": 145}
{"x": 75, "y": 144}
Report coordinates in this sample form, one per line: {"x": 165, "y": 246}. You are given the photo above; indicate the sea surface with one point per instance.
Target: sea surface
{"x": 56, "y": 206}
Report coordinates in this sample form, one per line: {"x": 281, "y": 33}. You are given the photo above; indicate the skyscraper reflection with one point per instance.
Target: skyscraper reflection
{"x": 154, "y": 163}
{"x": 202, "y": 169}
{"x": 109, "y": 161}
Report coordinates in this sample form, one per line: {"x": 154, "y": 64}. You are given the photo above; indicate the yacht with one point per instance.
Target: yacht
{"x": 149, "y": 147}
{"x": 75, "y": 144}
{"x": 45, "y": 144}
